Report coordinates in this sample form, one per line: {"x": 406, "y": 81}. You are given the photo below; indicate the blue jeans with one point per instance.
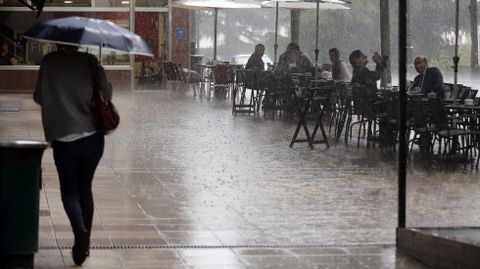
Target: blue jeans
{"x": 76, "y": 162}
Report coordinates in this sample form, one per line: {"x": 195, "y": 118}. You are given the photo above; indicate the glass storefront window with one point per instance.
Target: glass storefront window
{"x": 55, "y": 3}
{"x": 126, "y": 3}
{"x": 28, "y": 52}
{"x": 112, "y": 3}
{"x": 151, "y": 3}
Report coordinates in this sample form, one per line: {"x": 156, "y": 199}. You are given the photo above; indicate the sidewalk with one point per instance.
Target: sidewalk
{"x": 184, "y": 184}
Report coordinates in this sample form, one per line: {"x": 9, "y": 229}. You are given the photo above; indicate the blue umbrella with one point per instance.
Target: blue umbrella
{"x": 81, "y": 31}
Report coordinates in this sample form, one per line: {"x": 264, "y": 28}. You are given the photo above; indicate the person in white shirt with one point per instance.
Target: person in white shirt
{"x": 338, "y": 67}
{"x": 64, "y": 92}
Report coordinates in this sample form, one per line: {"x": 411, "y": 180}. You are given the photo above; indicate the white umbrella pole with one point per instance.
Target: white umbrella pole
{"x": 316, "y": 41}
{"x": 275, "y": 46}
{"x": 215, "y": 21}
{"x": 456, "y": 59}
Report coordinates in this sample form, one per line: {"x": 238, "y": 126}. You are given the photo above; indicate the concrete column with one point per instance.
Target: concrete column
{"x": 295, "y": 25}
{"x": 180, "y": 36}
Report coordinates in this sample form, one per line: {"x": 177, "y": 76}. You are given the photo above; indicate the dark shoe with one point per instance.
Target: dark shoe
{"x": 80, "y": 250}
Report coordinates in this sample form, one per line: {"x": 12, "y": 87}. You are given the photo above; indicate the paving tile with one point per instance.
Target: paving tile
{"x": 184, "y": 171}
{"x": 262, "y": 252}
{"x": 318, "y": 251}
{"x": 267, "y": 262}
{"x": 213, "y": 260}
{"x": 205, "y": 238}
{"x": 98, "y": 259}
{"x": 51, "y": 259}
{"x": 223, "y": 266}
{"x": 150, "y": 257}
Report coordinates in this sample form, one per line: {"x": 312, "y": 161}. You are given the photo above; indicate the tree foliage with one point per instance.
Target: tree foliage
{"x": 431, "y": 26}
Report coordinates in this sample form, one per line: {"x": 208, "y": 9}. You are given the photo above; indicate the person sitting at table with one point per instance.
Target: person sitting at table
{"x": 293, "y": 60}
{"x": 429, "y": 79}
{"x": 361, "y": 75}
{"x": 6, "y": 58}
{"x": 338, "y": 68}
{"x": 255, "y": 61}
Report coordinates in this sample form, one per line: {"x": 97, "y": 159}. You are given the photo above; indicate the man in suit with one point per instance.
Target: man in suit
{"x": 429, "y": 79}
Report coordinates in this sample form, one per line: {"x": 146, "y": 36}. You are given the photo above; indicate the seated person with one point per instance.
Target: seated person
{"x": 429, "y": 79}
{"x": 255, "y": 61}
{"x": 338, "y": 68}
{"x": 6, "y": 58}
{"x": 362, "y": 76}
{"x": 293, "y": 60}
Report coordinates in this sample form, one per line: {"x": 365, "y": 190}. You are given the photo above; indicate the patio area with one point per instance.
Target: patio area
{"x": 185, "y": 184}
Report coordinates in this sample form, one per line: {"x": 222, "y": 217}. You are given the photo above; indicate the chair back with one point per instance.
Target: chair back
{"x": 417, "y": 113}
{"x": 439, "y": 113}
{"x": 266, "y": 80}
{"x": 362, "y": 104}
{"x": 448, "y": 89}
{"x": 223, "y": 74}
{"x": 241, "y": 77}
{"x": 391, "y": 104}
{"x": 463, "y": 92}
{"x": 473, "y": 94}
{"x": 320, "y": 94}
{"x": 342, "y": 94}
{"x": 173, "y": 71}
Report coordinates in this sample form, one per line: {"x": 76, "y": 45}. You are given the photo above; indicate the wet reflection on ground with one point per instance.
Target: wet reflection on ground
{"x": 181, "y": 170}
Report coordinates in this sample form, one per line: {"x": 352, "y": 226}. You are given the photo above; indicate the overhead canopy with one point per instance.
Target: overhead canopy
{"x": 216, "y": 4}
{"x": 305, "y": 4}
{"x": 331, "y": 4}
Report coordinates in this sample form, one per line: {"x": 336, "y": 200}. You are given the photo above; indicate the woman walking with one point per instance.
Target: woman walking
{"x": 64, "y": 92}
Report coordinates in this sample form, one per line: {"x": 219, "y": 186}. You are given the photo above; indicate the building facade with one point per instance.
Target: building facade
{"x": 165, "y": 30}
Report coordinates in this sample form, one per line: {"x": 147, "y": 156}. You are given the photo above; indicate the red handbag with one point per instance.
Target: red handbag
{"x": 105, "y": 115}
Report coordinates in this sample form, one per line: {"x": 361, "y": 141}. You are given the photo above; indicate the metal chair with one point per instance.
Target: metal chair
{"x": 452, "y": 139}
{"x": 418, "y": 123}
{"x": 223, "y": 80}
{"x": 241, "y": 102}
{"x": 368, "y": 110}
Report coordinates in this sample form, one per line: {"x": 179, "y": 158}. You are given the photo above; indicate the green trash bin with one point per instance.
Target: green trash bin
{"x": 20, "y": 182}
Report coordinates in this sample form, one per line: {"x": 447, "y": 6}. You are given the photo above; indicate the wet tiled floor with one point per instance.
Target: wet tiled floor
{"x": 184, "y": 184}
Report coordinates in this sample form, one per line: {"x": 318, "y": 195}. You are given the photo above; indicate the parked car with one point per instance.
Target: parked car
{"x": 243, "y": 59}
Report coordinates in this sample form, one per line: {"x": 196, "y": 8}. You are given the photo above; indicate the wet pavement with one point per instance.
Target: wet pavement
{"x": 184, "y": 184}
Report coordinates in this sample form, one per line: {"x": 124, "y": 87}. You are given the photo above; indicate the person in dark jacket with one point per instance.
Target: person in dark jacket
{"x": 6, "y": 58}
{"x": 429, "y": 79}
{"x": 255, "y": 61}
{"x": 293, "y": 60}
{"x": 64, "y": 91}
{"x": 361, "y": 75}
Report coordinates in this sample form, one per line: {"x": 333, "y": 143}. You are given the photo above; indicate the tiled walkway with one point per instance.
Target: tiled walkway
{"x": 184, "y": 184}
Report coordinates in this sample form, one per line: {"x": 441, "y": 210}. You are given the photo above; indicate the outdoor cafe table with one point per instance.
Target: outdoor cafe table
{"x": 313, "y": 99}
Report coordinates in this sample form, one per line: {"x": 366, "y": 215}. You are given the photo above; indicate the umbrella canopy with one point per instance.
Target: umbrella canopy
{"x": 296, "y": 4}
{"x": 215, "y": 5}
{"x": 81, "y": 31}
